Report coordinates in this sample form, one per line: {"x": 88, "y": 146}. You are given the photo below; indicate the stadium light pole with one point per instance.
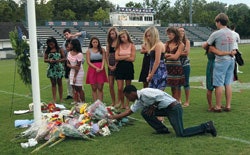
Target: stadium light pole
{"x": 34, "y": 61}
{"x": 190, "y": 12}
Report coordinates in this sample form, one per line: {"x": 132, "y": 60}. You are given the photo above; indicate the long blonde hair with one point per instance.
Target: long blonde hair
{"x": 119, "y": 41}
{"x": 154, "y": 37}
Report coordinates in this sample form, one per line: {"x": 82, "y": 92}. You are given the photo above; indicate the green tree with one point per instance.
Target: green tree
{"x": 8, "y": 11}
{"x": 160, "y": 8}
{"x": 69, "y": 14}
{"x": 213, "y": 9}
{"x": 239, "y": 16}
{"x": 44, "y": 11}
{"x": 203, "y": 12}
{"x": 200, "y": 13}
{"x": 183, "y": 9}
{"x": 131, "y": 4}
{"x": 100, "y": 15}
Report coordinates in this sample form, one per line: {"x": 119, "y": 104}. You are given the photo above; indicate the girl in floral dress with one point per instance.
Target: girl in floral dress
{"x": 54, "y": 56}
{"x": 174, "y": 48}
{"x": 157, "y": 73}
{"x": 96, "y": 75}
{"x": 75, "y": 58}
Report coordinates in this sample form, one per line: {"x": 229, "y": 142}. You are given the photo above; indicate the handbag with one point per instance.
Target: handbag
{"x": 238, "y": 58}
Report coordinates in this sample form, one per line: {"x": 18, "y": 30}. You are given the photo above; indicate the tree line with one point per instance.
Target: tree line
{"x": 203, "y": 13}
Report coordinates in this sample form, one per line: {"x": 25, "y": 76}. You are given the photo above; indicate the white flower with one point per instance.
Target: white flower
{"x": 105, "y": 131}
{"x": 24, "y": 37}
{"x": 83, "y": 128}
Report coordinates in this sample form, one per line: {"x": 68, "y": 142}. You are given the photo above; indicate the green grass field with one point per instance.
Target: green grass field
{"x": 233, "y": 127}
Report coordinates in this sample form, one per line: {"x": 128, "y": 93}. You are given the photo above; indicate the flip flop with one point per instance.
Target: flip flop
{"x": 210, "y": 109}
{"x": 217, "y": 110}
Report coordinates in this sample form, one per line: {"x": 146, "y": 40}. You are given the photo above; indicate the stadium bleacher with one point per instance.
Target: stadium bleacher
{"x": 195, "y": 34}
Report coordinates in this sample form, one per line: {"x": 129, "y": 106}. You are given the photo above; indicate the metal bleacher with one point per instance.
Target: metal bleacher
{"x": 59, "y": 30}
{"x": 135, "y": 32}
{"x": 43, "y": 32}
{"x": 162, "y": 33}
{"x": 96, "y": 31}
{"x": 197, "y": 33}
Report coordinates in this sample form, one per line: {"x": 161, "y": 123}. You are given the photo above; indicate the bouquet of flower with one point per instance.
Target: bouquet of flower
{"x": 83, "y": 121}
{"x": 70, "y": 131}
{"x": 97, "y": 110}
{"x": 87, "y": 130}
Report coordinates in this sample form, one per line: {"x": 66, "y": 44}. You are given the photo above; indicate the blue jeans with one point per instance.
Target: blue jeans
{"x": 186, "y": 70}
{"x": 174, "y": 115}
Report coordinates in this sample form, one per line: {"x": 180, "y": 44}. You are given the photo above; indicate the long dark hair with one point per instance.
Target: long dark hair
{"x": 99, "y": 47}
{"x": 76, "y": 46}
{"x": 174, "y": 30}
{"x": 184, "y": 38}
{"x": 109, "y": 39}
{"x": 51, "y": 40}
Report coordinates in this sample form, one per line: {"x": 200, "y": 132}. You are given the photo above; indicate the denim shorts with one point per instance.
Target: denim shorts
{"x": 223, "y": 72}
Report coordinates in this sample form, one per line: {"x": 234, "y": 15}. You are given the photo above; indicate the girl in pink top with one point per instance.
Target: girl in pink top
{"x": 125, "y": 55}
{"x": 96, "y": 75}
{"x": 75, "y": 58}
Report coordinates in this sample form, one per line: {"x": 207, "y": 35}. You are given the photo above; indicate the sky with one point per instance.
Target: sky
{"x": 122, "y": 3}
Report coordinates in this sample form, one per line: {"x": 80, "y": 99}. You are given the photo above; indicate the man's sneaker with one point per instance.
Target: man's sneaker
{"x": 163, "y": 131}
{"x": 68, "y": 97}
{"x": 211, "y": 129}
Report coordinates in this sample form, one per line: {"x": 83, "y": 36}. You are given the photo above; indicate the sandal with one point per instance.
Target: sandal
{"x": 185, "y": 105}
{"x": 217, "y": 110}
{"x": 227, "y": 109}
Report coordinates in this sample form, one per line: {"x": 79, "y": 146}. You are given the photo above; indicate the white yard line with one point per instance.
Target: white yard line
{"x": 11, "y": 93}
{"x": 22, "y": 95}
{"x": 236, "y": 85}
{"x": 139, "y": 120}
{"x": 223, "y": 137}
{"x": 235, "y": 139}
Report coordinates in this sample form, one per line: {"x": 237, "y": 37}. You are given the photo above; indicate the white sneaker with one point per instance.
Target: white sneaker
{"x": 239, "y": 72}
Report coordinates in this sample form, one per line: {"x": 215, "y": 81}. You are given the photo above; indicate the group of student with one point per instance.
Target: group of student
{"x": 164, "y": 64}
{"x": 221, "y": 47}
{"x": 67, "y": 61}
